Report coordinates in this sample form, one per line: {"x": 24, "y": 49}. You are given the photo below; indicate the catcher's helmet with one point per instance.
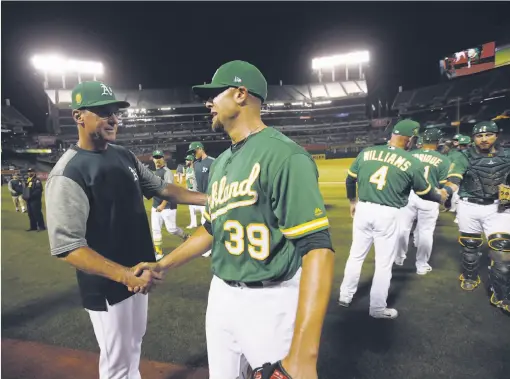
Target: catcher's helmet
{"x": 485, "y": 127}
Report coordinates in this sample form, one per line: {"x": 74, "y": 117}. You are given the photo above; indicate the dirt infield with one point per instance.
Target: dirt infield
{"x": 27, "y": 360}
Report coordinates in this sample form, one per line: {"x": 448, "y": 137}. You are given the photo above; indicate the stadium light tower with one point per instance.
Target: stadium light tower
{"x": 333, "y": 61}
{"x": 51, "y": 64}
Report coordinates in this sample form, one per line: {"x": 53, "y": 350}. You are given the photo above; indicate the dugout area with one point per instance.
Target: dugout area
{"x": 441, "y": 331}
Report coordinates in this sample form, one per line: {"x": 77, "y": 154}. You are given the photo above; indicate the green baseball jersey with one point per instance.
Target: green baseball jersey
{"x": 191, "y": 182}
{"x": 436, "y": 166}
{"x": 386, "y": 175}
{"x": 262, "y": 194}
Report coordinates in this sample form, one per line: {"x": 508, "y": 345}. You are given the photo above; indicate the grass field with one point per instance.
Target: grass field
{"x": 441, "y": 332}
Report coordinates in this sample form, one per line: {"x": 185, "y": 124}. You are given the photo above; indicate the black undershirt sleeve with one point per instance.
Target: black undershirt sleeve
{"x": 208, "y": 227}
{"x": 318, "y": 240}
{"x": 454, "y": 180}
{"x": 350, "y": 185}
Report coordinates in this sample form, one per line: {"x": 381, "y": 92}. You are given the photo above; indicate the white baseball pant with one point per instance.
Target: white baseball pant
{"x": 455, "y": 201}
{"x": 256, "y": 324}
{"x": 119, "y": 332}
{"x": 426, "y": 213}
{"x": 373, "y": 224}
{"x": 476, "y": 218}
{"x": 169, "y": 218}
{"x": 193, "y": 217}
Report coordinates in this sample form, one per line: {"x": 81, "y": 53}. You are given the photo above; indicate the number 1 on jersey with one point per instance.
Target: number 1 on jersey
{"x": 426, "y": 174}
{"x": 379, "y": 177}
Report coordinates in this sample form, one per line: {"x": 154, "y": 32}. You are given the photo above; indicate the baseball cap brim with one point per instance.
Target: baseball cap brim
{"x": 207, "y": 91}
{"x": 121, "y": 104}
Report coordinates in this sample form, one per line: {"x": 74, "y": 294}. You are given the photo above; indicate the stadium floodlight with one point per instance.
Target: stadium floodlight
{"x": 54, "y": 64}
{"x": 333, "y": 61}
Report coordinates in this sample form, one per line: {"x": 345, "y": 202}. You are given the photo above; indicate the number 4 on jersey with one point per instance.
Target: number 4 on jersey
{"x": 379, "y": 177}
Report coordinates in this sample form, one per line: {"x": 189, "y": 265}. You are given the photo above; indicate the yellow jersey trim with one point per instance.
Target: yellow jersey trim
{"x": 456, "y": 175}
{"x": 424, "y": 192}
{"x": 307, "y": 227}
{"x": 350, "y": 173}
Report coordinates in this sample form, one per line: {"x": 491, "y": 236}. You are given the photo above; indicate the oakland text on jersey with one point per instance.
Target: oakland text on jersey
{"x": 387, "y": 157}
{"x": 429, "y": 159}
{"x": 241, "y": 191}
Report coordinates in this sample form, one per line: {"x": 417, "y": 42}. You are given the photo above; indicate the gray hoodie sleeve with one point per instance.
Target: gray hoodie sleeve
{"x": 67, "y": 211}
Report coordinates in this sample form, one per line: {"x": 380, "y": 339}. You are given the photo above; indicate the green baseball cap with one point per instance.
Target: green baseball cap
{"x": 485, "y": 127}
{"x": 432, "y": 135}
{"x": 464, "y": 140}
{"x": 406, "y": 128}
{"x": 195, "y": 145}
{"x": 234, "y": 74}
{"x": 94, "y": 94}
{"x": 190, "y": 158}
{"x": 158, "y": 153}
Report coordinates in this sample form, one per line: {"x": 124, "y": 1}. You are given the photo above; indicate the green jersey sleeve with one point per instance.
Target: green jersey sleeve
{"x": 458, "y": 166}
{"x": 421, "y": 186}
{"x": 296, "y": 200}
{"x": 353, "y": 170}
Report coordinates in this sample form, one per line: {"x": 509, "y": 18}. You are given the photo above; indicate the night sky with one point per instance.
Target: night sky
{"x": 162, "y": 44}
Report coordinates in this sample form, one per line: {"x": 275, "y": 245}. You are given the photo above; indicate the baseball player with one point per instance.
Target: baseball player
{"x": 32, "y": 194}
{"x": 385, "y": 176}
{"x": 464, "y": 143}
{"x": 424, "y": 211}
{"x": 15, "y": 186}
{"x": 481, "y": 175}
{"x": 272, "y": 260}
{"x": 202, "y": 167}
{"x": 455, "y": 141}
{"x": 163, "y": 211}
{"x": 97, "y": 223}
{"x": 191, "y": 184}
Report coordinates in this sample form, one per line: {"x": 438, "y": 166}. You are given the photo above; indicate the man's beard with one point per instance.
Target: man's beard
{"x": 217, "y": 126}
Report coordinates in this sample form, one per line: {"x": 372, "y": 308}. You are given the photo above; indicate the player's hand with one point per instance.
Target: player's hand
{"x": 140, "y": 283}
{"x": 444, "y": 195}
{"x": 160, "y": 209}
{"x": 144, "y": 269}
{"x": 352, "y": 209}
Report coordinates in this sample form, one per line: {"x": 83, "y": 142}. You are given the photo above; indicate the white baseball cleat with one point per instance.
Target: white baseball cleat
{"x": 399, "y": 261}
{"x": 191, "y": 226}
{"x": 344, "y": 302}
{"x": 159, "y": 256}
{"x": 388, "y": 313}
{"x": 456, "y": 220}
{"x": 207, "y": 253}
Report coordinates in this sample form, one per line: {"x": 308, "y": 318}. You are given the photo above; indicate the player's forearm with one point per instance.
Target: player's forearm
{"x": 164, "y": 203}
{"x": 451, "y": 185}
{"x": 91, "y": 262}
{"x": 314, "y": 294}
{"x": 199, "y": 243}
{"x": 179, "y": 195}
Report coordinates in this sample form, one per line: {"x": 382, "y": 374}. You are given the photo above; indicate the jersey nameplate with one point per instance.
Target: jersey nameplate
{"x": 241, "y": 192}
{"x": 388, "y": 157}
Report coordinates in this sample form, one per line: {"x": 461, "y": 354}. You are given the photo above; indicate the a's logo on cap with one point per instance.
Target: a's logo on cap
{"x": 106, "y": 90}
{"x": 78, "y": 98}
{"x": 237, "y": 79}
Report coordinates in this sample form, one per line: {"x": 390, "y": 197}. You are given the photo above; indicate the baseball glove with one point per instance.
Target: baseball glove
{"x": 271, "y": 371}
{"x": 504, "y": 194}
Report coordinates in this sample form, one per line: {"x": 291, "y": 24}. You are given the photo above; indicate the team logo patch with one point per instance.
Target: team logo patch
{"x": 78, "y": 98}
{"x": 318, "y": 212}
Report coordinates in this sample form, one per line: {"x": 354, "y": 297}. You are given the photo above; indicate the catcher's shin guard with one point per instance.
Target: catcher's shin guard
{"x": 499, "y": 270}
{"x": 471, "y": 243}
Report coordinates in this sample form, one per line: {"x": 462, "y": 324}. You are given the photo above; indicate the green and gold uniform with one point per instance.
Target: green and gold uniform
{"x": 257, "y": 203}
{"x": 191, "y": 182}
{"x": 386, "y": 175}
{"x": 436, "y": 165}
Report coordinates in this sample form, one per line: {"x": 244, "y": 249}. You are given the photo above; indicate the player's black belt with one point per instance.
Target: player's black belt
{"x": 474, "y": 200}
{"x": 263, "y": 284}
